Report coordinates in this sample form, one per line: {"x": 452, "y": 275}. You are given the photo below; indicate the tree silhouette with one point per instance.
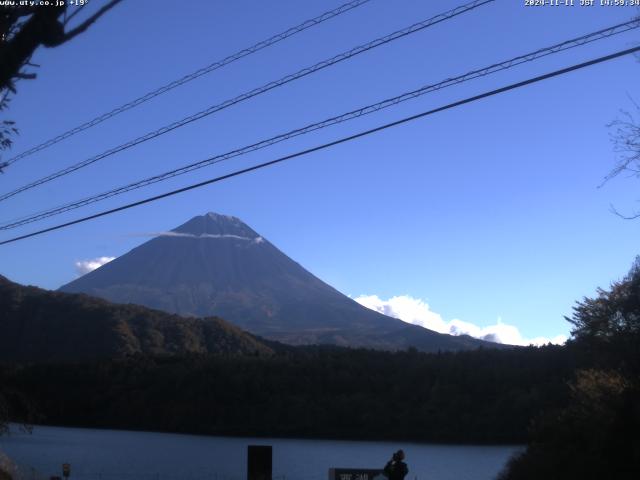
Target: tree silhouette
{"x": 23, "y": 29}
{"x": 625, "y": 136}
{"x": 595, "y": 435}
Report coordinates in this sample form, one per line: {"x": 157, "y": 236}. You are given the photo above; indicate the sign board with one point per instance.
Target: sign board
{"x": 356, "y": 474}
{"x": 66, "y": 470}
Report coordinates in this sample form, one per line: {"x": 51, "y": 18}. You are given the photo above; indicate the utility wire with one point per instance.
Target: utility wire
{"x": 559, "y": 47}
{"x": 324, "y": 146}
{"x": 257, "y": 91}
{"x": 192, "y": 76}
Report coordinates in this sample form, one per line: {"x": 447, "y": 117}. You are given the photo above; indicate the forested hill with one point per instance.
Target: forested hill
{"x": 82, "y": 361}
{"x": 38, "y": 325}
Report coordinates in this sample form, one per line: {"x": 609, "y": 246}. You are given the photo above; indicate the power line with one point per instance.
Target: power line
{"x": 192, "y": 76}
{"x": 324, "y": 146}
{"x": 257, "y": 91}
{"x": 559, "y": 47}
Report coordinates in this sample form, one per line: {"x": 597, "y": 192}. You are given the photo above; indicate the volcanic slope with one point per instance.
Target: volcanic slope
{"x": 216, "y": 265}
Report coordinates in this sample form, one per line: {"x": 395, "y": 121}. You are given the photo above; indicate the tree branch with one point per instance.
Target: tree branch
{"x": 89, "y": 21}
{"x": 25, "y": 76}
{"x": 625, "y": 217}
{"x": 77, "y": 11}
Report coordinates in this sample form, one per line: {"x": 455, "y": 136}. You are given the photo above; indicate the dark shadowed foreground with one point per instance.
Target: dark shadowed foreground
{"x": 41, "y": 326}
{"x": 578, "y": 405}
{"x": 487, "y": 396}
{"x": 595, "y": 434}
{"x": 162, "y": 456}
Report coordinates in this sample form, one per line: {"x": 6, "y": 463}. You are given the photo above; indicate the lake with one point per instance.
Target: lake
{"x": 116, "y": 454}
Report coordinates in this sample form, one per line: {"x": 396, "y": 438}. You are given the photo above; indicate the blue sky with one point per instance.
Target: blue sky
{"x": 484, "y": 212}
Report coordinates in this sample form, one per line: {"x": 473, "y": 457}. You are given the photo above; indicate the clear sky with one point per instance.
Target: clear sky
{"x": 489, "y": 212}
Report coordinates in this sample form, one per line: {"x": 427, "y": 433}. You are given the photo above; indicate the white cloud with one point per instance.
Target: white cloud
{"x": 86, "y": 266}
{"x": 416, "y": 311}
{"x": 406, "y": 308}
{"x": 202, "y": 235}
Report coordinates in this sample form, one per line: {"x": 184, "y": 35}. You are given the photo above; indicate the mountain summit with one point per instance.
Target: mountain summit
{"x": 217, "y": 265}
{"x": 216, "y": 224}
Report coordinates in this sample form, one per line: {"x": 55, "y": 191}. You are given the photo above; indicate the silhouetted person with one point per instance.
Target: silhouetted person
{"x": 396, "y": 469}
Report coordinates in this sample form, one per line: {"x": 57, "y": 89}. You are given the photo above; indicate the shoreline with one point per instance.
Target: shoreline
{"x": 274, "y": 437}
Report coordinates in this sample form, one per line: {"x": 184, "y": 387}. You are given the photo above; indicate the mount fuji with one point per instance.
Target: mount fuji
{"x": 216, "y": 265}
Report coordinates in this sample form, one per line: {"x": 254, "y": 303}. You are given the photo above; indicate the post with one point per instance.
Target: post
{"x": 259, "y": 462}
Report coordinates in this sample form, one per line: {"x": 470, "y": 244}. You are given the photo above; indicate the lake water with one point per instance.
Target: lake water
{"x": 116, "y": 454}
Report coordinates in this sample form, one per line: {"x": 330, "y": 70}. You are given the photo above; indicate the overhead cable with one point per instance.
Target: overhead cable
{"x": 257, "y": 91}
{"x": 192, "y": 76}
{"x": 496, "y": 67}
{"x": 324, "y": 146}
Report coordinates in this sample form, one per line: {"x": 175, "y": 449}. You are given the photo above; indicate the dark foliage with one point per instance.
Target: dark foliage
{"x": 38, "y": 326}
{"x": 87, "y": 362}
{"x": 23, "y": 29}
{"x": 596, "y": 435}
{"x": 607, "y": 328}
{"x": 486, "y": 396}
{"x": 7, "y": 129}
